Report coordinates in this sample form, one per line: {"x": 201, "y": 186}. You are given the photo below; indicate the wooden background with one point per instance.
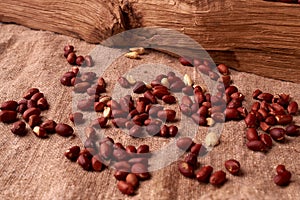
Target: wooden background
{"x": 35, "y": 169}
{"x": 254, "y": 36}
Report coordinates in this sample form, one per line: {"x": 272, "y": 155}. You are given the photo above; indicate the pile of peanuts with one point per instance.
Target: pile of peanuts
{"x": 144, "y": 116}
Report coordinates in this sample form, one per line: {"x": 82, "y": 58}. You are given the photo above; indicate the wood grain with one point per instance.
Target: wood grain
{"x": 254, "y": 36}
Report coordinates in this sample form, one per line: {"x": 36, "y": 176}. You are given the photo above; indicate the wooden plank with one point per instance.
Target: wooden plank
{"x": 262, "y": 36}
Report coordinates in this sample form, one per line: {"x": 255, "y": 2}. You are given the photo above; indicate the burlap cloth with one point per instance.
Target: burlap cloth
{"x": 33, "y": 168}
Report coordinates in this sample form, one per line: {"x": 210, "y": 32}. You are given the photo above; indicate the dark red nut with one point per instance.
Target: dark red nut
{"x": 277, "y": 107}
{"x": 67, "y": 81}
{"x": 226, "y": 80}
{"x": 266, "y": 139}
{"x": 19, "y": 128}
{"x": 72, "y": 153}
{"x": 251, "y": 120}
{"x": 177, "y": 86}
{"x": 137, "y": 168}
{"x": 22, "y": 107}
{"x": 88, "y": 152}
{"x": 169, "y": 99}
{"x": 120, "y": 154}
{"x": 31, "y": 104}
{"x": 68, "y": 49}
{"x": 167, "y": 115}
{"x": 264, "y": 113}
{"x": 125, "y": 188}
{"x": 238, "y": 96}
{"x": 188, "y": 90}
{"x": 232, "y": 114}
{"x": 143, "y": 149}
{"x": 139, "y": 119}
{"x": 186, "y": 110}
{"x": 99, "y": 106}
{"x": 100, "y": 122}
{"x": 199, "y": 97}
{"x": 271, "y": 120}
{"x": 101, "y": 82}
{"x": 76, "y": 117}
{"x": 197, "y": 62}
{"x": 280, "y": 169}
{"x": 89, "y": 144}
{"x": 203, "y": 111}
{"x": 218, "y": 178}
{"x": 105, "y": 150}
{"x": 150, "y": 96}
{"x": 79, "y": 60}
{"x": 30, "y": 92}
{"x": 135, "y": 131}
{"x": 29, "y": 112}
{"x": 39, "y": 132}
{"x": 153, "y": 129}
{"x": 186, "y": 169}
{"x": 173, "y": 130}
{"x": 133, "y": 180}
{"x": 34, "y": 120}
{"x": 37, "y": 96}
{"x": 264, "y": 126}
{"x": 251, "y": 134}
{"x": 184, "y": 143}
{"x": 88, "y": 61}
{"x": 49, "y": 125}
{"x": 199, "y": 120}
{"x": 186, "y": 100}
{"x": 9, "y": 105}
{"x": 203, "y": 69}
{"x": 265, "y": 97}
{"x": 96, "y": 163}
{"x": 140, "y": 106}
{"x": 118, "y": 145}
{"x": 255, "y": 106}
{"x": 119, "y": 113}
{"x": 256, "y": 145}
{"x": 230, "y": 90}
{"x": 191, "y": 159}
{"x": 218, "y": 117}
{"x": 277, "y": 134}
{"x": 292, "y": 130}
{"x": 164, "y": 131}
{"x": 71, "y": 58}
{"x": 8, "y": 116}
{"x": 185, "y": 61}
{"x": 213, "y": 75}
{"x": 131, "y": 149}
{"x": 292, "y": 108}
{"x": 42, "y": 104}
{"x": 120, "y": 175}
{"x": 85, "y": 105}
{"x": 196, "y": 148}
{"x": 64, "y": 130}
{"x": 223, "y": 69}
{"x": 159, "y": 92}
{"x": 89, "y": 77}
{"x": 139, "y": 87}
{"x": 84, "y": 162}
{"x": 81, "y": 87}
{"x": 123, "y": 82}
{"x": 204, "y": 174}
{"x": 283, "y": 178}
{"x": 233, "y": 166}
{"x": 256, "y": 93}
